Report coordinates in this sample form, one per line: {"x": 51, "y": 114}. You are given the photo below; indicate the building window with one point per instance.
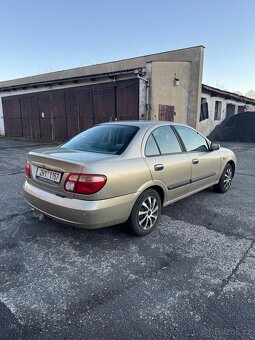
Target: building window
{"x": 204, "y": 109}
{"x": 217, "y": 111}
{"x": 240, "y": 108}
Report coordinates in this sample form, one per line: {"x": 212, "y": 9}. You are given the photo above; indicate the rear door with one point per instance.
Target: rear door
{"x": 205, "y": 163}
{"x": 167, "y": 162}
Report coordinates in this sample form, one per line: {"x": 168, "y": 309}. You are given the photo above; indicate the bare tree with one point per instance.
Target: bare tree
{"x": 221, "y": 86}
{"x": 238, "y": 92}
{"x": 250, "y": 94}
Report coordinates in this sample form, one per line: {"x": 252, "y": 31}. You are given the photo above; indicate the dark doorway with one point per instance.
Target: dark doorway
{"x": 230, "y": 111}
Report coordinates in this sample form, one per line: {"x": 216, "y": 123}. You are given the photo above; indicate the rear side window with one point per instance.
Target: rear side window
{"x": 109, "y": 139}
{"x": 151, "y": 148}
{"x": 192, "y": 140}
{"x": 162, "y": 141}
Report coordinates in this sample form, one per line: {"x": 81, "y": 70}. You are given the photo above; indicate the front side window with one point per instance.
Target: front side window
{"x": 110, "y": 139}
{"x": 162, "y": 141}
{"x": 192, "y": 140}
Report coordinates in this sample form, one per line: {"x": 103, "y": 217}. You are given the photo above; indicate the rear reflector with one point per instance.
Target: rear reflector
{"x": 28, "y": 169}
{"x": 84, "y": 184}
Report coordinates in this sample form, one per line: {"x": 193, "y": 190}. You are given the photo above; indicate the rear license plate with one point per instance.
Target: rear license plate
{"x": 50, "y": 175}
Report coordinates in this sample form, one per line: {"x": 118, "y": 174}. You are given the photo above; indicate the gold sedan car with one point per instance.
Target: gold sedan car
{"x": 124, "y": 171}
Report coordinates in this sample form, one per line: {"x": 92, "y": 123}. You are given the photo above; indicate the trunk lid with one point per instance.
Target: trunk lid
{"x": 58, "y": 162}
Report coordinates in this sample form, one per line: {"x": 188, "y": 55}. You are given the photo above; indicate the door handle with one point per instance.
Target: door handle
{"x": 195, "y": 161}
{"x": 158, "y": 167}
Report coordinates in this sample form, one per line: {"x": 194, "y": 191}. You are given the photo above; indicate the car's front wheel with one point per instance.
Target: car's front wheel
{"x": 225, "y": 180}
{"x": 146, "y": 213}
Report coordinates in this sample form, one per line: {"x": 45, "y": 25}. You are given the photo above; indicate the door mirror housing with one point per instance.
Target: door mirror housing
{"x": 215, "y": 146}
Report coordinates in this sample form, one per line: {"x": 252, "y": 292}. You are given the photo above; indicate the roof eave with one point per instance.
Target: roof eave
{"x": 226, "y": 94}
{"x": 76, "y": 79}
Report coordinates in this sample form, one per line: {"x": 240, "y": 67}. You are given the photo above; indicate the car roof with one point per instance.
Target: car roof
{"x": 137, "y": 122}
{"x": 142, "y": 124}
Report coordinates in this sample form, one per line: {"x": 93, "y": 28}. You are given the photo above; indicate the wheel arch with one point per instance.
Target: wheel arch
{"x": 155, "y": 185}
{"x": 160, "y": 191}
{"x": 232, "y": 163}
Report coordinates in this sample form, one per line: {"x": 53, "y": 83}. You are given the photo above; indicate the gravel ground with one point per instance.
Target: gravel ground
{"x": 192, "y": 277}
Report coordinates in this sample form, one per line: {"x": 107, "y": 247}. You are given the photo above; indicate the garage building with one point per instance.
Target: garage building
{"x": 58, "y": 105}
{"x": 218, "y": 105}
{"x": 163, "y": 86}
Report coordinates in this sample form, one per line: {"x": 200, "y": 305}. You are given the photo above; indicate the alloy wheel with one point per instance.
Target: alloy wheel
{"x": 148, "y": 213}
{"x": 227, "y": 178}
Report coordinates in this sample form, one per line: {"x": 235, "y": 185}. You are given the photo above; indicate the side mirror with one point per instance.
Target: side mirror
{"x": 215, "y": 146}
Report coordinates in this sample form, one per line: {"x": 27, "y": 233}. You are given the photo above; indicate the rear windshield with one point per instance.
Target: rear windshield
{"x": 112, "y": 139}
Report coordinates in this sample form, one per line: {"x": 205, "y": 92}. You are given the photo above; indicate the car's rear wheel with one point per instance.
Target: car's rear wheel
{"x": 225, "y": 180}
{"x": 146, "y": 213}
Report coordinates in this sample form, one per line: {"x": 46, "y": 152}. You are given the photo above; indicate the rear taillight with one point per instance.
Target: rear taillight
{"x": 28, "y": 169}
{"x": 84, "y": 184}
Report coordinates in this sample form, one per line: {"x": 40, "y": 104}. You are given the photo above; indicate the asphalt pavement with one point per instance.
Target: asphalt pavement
{"x": 193, "y": 277}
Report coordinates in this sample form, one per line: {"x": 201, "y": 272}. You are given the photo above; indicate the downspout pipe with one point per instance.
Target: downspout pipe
{"x": 147, "y": 95}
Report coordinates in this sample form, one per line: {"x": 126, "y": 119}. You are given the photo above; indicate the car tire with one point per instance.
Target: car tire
{"x": 145, "y": 213}
{"x": 225, "y": 180}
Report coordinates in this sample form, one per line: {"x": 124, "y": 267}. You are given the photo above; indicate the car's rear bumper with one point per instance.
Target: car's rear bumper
{"x": 85, "y": 214}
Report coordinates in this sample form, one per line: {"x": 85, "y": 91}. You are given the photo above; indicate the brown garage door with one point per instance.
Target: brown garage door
{"x": 61, "y": 114}
{"x": 104, "y": 104}
{"x": 71, "y": 112}
{"x": 127, "y": 100}
{"x": 12, "y": 117}
{"x": 45, "y": 120}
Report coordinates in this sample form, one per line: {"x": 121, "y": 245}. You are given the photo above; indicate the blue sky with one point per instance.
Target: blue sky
{"x": 41, "y": 36}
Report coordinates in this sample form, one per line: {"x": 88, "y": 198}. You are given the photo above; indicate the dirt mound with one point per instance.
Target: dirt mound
{"x": 238, "y": 128}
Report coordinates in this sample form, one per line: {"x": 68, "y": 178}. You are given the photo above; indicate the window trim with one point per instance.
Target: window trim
{"x": 183, "y": 147}
{"x": 181, "y": 144}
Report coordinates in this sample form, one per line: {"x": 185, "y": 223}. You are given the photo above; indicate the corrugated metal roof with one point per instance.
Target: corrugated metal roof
{"x": 74, "y": 79}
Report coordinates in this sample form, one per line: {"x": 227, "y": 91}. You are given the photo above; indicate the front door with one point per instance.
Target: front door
{"x": 204, "y": 162}
{"x": 205, "y": 168}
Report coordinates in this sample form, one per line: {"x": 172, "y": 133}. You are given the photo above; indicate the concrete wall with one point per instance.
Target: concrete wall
{"x": 142, "y": 100}
{"x": 196, "y": 75}
{"x": 164, "y": 91}
{"x": 207, "y": 125}
{"x": 194, "y": 55}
